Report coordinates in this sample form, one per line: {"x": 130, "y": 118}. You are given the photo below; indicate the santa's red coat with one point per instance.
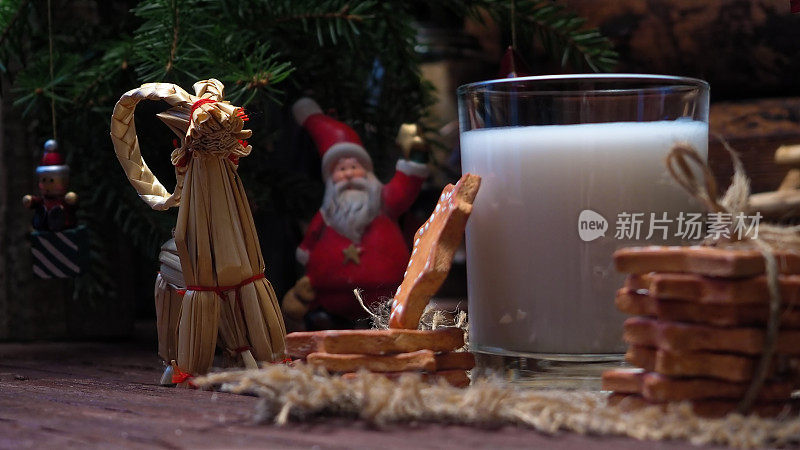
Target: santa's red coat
{"x": 383, "y": 251}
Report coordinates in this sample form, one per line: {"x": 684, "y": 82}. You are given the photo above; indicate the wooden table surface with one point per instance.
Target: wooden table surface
{"x": 91, "y": 395}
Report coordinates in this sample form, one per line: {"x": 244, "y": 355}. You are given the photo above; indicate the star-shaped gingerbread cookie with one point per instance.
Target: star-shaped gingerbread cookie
{"x": 434, "y": 245}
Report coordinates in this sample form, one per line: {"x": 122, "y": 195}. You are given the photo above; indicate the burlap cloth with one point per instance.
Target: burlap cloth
{"x": 298, "y": 392}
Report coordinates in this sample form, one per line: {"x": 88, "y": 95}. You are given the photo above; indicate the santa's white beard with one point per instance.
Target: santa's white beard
{"x": 350, "y": 206}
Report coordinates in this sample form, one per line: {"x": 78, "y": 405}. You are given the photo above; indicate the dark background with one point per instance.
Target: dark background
{"x": 746, "y": 49}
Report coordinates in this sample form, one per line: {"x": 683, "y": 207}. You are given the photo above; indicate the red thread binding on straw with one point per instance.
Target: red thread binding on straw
{"x": 220, "y": 290}
{"x": 180, "y": 376}
{"x": 240, "y": 113}
{"x": 200, "y": 103}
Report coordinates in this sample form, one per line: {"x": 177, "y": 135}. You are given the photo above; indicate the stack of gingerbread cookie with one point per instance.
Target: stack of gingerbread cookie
{"x": 391, "y": 352}
{"x": 699, "y": 327}
{"x": 403, "y": 348}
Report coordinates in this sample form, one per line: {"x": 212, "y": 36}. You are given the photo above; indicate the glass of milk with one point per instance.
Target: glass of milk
{"x": 573, "y": 169}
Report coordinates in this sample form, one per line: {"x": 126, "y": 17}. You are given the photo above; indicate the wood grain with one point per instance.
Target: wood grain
{"x": 90, "y": 395}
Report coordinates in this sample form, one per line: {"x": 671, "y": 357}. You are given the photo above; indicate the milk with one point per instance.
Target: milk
{"x": 534, "y": 285}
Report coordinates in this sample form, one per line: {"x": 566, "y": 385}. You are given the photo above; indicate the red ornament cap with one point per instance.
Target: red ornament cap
{"x": 327, "y": 132}
{"x": 334, "y": 139}
{"x": 51, "y": 155}
{"x": 512, "y": 65}
{"x": 52, "y": 159}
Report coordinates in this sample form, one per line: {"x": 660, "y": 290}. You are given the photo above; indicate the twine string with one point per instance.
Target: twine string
{"x": 773, "y": 327}
{"x": 357, "y": 294}
{"x": 683, "y": 163}
{"x": 52, "y": 87}
{"x": 704, "y": 190}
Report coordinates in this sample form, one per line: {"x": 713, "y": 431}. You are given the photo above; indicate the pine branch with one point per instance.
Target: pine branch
{"x": 13, "y": 21}
{"x": 342, "y": 15}
{"x": 162, "y": 52}
{"x": 561, "y": 32}
{"x": 173, "y": 48}
{"x": 35, "y": 88}
{"x": 332, "y": 20}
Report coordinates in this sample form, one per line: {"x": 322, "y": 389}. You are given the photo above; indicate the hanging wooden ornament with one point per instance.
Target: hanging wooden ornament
{"x": 512, "y": 65}
{"x": 58, "y": 244}
{"x": 59, "y": 247}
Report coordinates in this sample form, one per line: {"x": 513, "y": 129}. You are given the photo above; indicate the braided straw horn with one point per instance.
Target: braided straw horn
{"x": 126, "y": 143}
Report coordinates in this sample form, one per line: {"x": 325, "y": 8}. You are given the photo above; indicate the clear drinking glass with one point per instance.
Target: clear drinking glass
{"x": 571, "y": 166}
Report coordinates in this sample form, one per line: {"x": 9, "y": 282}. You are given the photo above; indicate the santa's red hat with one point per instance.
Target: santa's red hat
{"x": 334, "y": 139}
{"x": 52, "y": 161}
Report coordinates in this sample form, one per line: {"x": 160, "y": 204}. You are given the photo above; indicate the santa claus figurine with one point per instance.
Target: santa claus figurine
{"x": 354, "y": 240}
{"x": 54, "y": 208}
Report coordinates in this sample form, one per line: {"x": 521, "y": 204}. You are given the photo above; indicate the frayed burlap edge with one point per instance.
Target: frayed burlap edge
{"x": 298, "y": 392}
{"x": 432, "y": 317}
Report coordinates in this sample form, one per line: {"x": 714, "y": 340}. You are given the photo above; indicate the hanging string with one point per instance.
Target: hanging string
{"x": 683, "y": 163}
{"x": 52, "y": 94}
{"x": 513, "y": 24}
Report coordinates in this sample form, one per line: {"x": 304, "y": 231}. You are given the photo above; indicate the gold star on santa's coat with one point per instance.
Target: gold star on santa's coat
{"x": 353, "y": 254}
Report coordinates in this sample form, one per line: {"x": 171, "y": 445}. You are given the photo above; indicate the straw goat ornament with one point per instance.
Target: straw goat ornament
{"x": 226, "y": 293}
